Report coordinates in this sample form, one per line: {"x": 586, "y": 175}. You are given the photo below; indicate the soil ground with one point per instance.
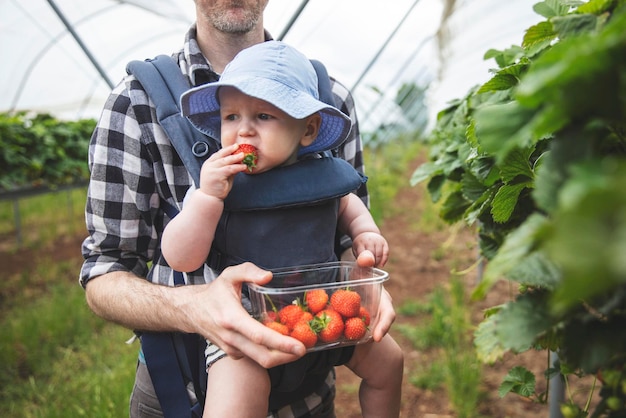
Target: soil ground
{"x": 420, "y": 261}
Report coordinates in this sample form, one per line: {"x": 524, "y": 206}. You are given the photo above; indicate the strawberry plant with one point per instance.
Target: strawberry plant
{"x": 535, "y": 160}
{"x": 40, "y": 150}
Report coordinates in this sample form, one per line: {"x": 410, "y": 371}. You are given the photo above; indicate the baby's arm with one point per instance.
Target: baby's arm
{"x": 356, "y": 221}
{"x": 188, "y": 237}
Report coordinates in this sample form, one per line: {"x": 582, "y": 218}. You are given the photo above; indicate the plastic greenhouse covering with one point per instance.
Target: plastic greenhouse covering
{"x": 63, "y": 56}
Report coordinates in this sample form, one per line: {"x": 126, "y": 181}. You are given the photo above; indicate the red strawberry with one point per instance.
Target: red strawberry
{"x": 270, "y": 316}
{"x": 329, "y": 325}
{"x": 365, "y": 315}
{"x": 354, "y": 328}
{"x": 277, "y": 326}
{"x": 316, "y": 300}
{"x": 306, "y": 316}
{"x": 250, "y": 155}
{"x": 290, "y": 315}
{"x": 303, "y": 332}
{"x": 346, "y": 302}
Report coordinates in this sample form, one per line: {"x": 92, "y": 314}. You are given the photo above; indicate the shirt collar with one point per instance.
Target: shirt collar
{"x": 194, "y": 64}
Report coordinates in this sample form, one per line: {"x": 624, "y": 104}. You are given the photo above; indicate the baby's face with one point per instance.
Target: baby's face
{"x": 248, "y": 120}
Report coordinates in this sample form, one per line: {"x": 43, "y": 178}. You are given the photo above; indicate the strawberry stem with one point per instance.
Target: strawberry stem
{"x": 271, "y": 303}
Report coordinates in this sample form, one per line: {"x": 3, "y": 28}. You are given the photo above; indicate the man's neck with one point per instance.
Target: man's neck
{"x": 220, "y": 48}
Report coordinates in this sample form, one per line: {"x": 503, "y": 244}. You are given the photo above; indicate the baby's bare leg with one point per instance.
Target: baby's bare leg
{"x": 380, "y": 366}
{"x": 237, "y": 388}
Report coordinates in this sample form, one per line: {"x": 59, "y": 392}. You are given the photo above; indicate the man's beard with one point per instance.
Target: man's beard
{"x": 224, "y": 22}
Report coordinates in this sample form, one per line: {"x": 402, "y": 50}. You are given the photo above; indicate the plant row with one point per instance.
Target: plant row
{"x": 40, "y": 150}
{"x": 535, "y": 160}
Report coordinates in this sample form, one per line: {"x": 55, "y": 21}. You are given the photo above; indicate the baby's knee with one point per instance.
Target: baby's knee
{"x": 394, "y": 356}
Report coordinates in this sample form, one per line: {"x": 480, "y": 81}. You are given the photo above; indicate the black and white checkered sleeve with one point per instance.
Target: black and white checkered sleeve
{"x": 352, "y": 149}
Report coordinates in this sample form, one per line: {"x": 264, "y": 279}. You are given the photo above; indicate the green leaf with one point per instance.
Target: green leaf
{"x": 593, "y": 344}
{"x": 505, "y": 201}
{"x": 574, "y": 24}
{"x": 516, "y": 164}
{"x": 517, "y": 245}
{"x": 540, "y": 34}
{"x": 592, "y": 220}
{"x": 471, "y": 187}
{"x": 595, "y": 7}
{"x": 488, "y": 347}
{"x": 454, "y": 206}
{"x": 506, "y": 57}
{"x": 501, "y": 128}
{"x": 481, "y": 168}
{"x": 551, "y": 8}
{"x": 536, "y": 270}
{"x": 479, "y": 206}
{"x": 424, "y": 172}
{"x": 499, "y": 82}
{"x": 523, "y": 321}
{"x": 520, "y": 381}
{"x": 435, "y": 186}
{"x": 576, "y": 78}
{"x": 566, "y": 150}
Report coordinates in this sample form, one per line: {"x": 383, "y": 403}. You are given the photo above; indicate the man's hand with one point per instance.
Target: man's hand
{"x": 212, "y": 310}
{"x": 215, "y": 311}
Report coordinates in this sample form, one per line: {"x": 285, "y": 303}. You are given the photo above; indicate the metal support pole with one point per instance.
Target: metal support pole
{"x": 80, "y": 43}
{"x": 293, "y": 19}
{"x": 382, "y": 48}
{"x": 557, "y": 389}
{"x": 18, "y": 221}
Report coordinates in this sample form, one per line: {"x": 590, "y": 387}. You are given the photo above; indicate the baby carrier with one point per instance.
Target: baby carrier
{"x": 176, "y": 361}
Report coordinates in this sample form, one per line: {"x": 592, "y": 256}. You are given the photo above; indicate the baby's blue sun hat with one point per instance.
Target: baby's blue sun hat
{"x": 279, "y": 74}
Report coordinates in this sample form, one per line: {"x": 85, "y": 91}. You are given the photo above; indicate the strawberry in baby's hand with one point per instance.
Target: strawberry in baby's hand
{"x": 250, "y": 155}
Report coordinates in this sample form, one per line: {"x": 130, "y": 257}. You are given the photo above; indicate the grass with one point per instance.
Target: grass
{"x": 444, "y": 327}
{"x": 31, "y": 221}
{"x": 57, "y": 359}
{"x": 386, "y": 168}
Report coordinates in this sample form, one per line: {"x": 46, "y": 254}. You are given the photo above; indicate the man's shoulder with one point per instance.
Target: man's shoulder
{"x": 342, "y": 94}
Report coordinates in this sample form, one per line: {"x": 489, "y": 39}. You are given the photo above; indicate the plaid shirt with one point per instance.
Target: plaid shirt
{"x": 134, "y": 169}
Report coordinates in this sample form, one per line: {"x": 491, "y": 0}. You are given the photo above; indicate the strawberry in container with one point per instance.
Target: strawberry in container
{"x": 337, "y": 302}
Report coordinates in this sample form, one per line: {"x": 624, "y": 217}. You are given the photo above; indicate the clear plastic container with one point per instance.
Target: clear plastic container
{"x": 290, "y": 285}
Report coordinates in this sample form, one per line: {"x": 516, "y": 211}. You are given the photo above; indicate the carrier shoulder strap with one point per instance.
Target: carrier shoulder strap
{"x": 164, "y": 83}
{"x": 174, "y": 359}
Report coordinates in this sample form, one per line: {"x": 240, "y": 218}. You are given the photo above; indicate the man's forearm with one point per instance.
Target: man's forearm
{"x": 134, "y": 303}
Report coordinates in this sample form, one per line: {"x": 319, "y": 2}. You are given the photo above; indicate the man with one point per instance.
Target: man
{"x": 135, "y": 172}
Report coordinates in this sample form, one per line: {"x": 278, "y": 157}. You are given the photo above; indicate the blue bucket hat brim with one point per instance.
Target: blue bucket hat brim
{"x": 273, "y": 72}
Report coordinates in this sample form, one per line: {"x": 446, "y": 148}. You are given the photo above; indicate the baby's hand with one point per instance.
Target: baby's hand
{"x": 217, "y": 172}
{"x": 370, "y": 249}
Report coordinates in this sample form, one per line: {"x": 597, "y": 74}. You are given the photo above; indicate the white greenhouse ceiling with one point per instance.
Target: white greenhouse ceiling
{"x": 61, "y": 56}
